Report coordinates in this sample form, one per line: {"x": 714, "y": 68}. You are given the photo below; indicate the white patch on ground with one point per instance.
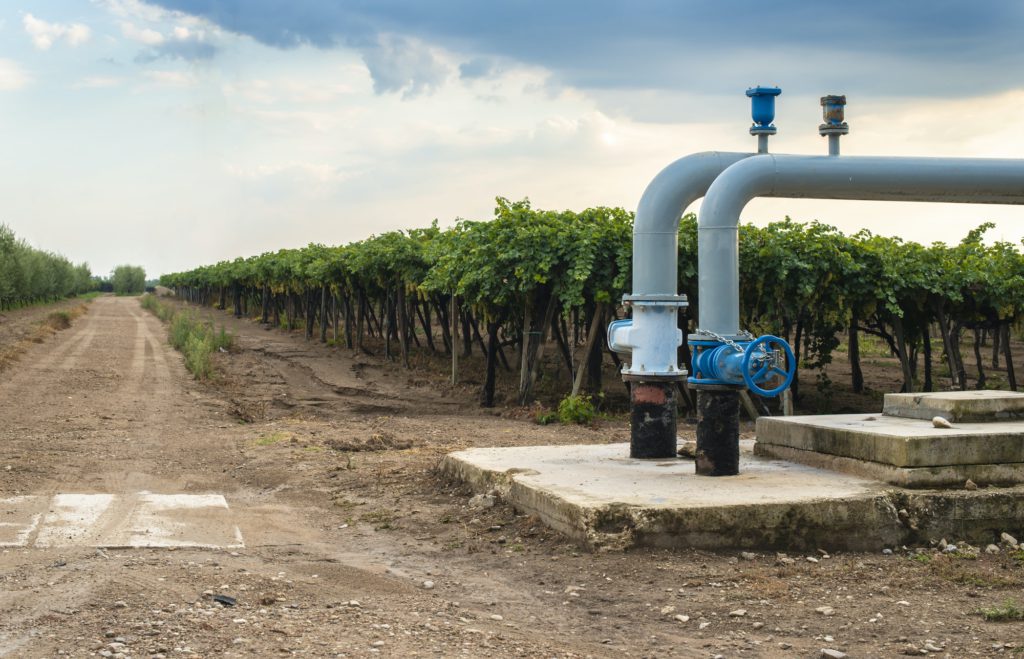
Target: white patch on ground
{"x": 161, "y": 520}
{"x": 72, "y": 519}
{"x": 139, "y": 519}
{"x": 19, "y": 518}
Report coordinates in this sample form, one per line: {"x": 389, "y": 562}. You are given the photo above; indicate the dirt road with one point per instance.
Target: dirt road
{"x": 301, "y": 485}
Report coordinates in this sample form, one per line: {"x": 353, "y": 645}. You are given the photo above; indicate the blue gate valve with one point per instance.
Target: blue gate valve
{"x": 753, "y": 364}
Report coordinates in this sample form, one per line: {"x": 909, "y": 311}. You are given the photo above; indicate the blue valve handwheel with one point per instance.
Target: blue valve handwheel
{"x": 763, "y": 346}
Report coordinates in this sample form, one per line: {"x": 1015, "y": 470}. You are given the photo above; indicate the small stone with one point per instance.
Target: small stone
{"x": 943, "y": 544}
{"x": 970, "y": 485}
{"x": 913, "y": 651}
{"x": 354, "y": 604}
{"x": 758, "y": 625}
{"x": 941, "y": 422}
{"x": 931, "y": 647}
{"x": 681, "y": 618}
{"x": 949, "y": 549}
{"x": 1008, "y": 539}
{"x": 992, "y": 549}
{"x": 738, "y": 613}
{"x": 829, "y": 653}
{"x": 665, "y": 610}
{"x": 785, "y": 646}
{"x": 785, "y": 560}
{"x": 811, "y": 559}
{"x": 704, "y": 625}
{"x": 495, "y": 616}
{"x": 120, "y": 604}
{"x": 748, "y": 555}
{"x": 825, "y": 610}
{"x": 903, "y": 603}
{"x": 887, "y": 552}
{"x": 428, "y": 585}
{"x": 483, "y": 501}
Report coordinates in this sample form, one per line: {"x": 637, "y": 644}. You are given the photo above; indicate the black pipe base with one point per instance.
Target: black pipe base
{"x": 718, "y": 432}
{"x": 653, "y": 415}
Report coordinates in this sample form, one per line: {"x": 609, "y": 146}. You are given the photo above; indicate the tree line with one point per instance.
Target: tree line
{"x": 30, "y": 276}
{"x": 530, "y": 280}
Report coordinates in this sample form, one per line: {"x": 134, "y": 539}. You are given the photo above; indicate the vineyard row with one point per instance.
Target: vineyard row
{"x": 510, "y": 284}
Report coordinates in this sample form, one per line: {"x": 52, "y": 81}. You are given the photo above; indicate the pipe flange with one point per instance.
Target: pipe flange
{"x": 655, "y": 300}
{"x": 763, "y": 130}
{"x": 680, "y": 375}
{"x": 834, "y": 129}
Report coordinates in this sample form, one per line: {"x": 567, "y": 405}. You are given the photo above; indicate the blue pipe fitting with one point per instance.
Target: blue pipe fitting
{"x": 750, "y": 364}
{"x": 762, "y": 109}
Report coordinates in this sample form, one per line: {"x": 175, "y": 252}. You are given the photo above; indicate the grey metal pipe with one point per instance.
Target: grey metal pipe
{"x": 656, "y": 227}
{"x": 833, "y": 145}
{"x": 961, "y": 180}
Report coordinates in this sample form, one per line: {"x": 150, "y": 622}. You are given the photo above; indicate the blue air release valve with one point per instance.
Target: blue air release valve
{"x": 753, "y": 364}
{"x": 762, "y": 109}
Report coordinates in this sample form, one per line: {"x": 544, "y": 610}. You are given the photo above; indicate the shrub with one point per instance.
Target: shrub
{"x": 196, "y": 340}
{"x": 1009, "y": 610}
{"x": 576, "y": 409}
{"x": 59, "y": 320}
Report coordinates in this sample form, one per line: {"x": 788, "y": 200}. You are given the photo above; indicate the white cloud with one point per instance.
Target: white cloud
{"x": 12, "y": 76}
{"x": 171, "y": 78}
{"x": 144, "y": 35}
{"x": 97, "y": 82}
{"x": 136, "y": 10}
{"x": 296, "y": 171}
{"x": 45, "y": 34}
{"x": 400, "y": 64}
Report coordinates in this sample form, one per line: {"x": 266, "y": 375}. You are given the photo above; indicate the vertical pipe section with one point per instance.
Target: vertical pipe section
{"x": 833, "y": 144}
{"x": 652, "y": 412}
{"x": 655, "y": 272}
{"x": 718, "y": 431}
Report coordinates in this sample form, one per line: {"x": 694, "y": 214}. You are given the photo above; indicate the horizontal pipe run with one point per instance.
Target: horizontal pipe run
{"x": 954, "y": 180}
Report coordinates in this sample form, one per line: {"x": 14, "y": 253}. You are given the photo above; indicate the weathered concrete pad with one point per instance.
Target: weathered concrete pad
{"x": 896, "y": 441}
{"x": 957, "y": 406}
{"x": 602, "y": 499}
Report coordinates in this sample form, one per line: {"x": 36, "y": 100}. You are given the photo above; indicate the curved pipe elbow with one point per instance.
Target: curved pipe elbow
{"x": 656, "y": 227}
{"x": 677, "y": 186}
{"x": 734, "y": 189}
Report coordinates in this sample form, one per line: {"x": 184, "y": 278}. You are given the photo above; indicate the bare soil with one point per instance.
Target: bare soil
{"x": 328, "y": 461}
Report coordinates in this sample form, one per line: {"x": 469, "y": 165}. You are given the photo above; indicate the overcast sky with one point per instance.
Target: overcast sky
{"x": 176, "y": 133}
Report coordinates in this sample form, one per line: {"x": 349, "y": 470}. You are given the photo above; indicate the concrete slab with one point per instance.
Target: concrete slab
{"x": 140, "y": 519}
{"x": 897, "y": 441}
{"x": 602, "y": 499}
{"x": 957, "y": 406}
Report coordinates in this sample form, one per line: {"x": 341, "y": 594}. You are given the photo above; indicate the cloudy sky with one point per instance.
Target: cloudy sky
{"x": 173, "y": 133}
